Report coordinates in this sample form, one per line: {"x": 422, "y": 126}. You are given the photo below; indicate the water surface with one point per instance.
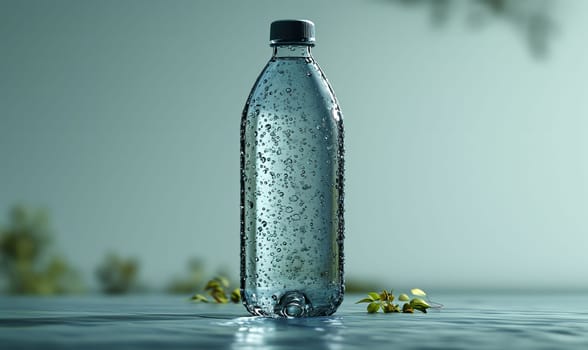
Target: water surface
{"x": 468, "y": 321}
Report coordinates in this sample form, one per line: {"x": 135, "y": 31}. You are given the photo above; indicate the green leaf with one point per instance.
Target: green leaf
{"x": 236, "y": 295}
{"x": 374, "y": 295}
{"x": 373, "y": 307}
{"x": 224, "y": 282}
{"x": 419, "y": 304}
{"x": 213, "y": 285}
{"x": 419, "y": 301}
{"x": 199, "y": 298}
{"x": 217, "y": 284}
{"x": 365, "y": 300}
{"x": 403, "y": 297}
{"x": 418, "y": 292}
{"x": 220, "y": 297}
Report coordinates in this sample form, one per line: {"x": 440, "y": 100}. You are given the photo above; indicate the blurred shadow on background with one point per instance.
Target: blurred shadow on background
{"x": 531, "y": 19}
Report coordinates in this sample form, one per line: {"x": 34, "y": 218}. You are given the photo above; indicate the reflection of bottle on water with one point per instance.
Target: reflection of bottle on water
{"x": 292, "y": 183}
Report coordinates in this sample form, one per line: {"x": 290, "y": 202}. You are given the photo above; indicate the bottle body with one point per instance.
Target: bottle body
{"x": 292, "y": 170}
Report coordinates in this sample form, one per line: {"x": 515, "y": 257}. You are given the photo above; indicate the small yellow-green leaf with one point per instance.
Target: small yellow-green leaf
{"x": 419, "y": 301}
{"x": 419, "y": 304}
{"x": 373, "y": 307}
{"x": 212, "y": 285}
{"x": 365, "y": 300}
{"x": 236, "y": 295}
{"x": 217, "y": 283}
{"x": 220, "y": 297}
{"x": 197, "y": 298}
{"x": 403, "y": 297}
{"x": 224, "y": 282}
{"x": 374, "y": 295}
{"x": 418, "y": 292}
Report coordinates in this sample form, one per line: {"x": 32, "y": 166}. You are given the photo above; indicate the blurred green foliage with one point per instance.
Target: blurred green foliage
{"x": 189, "y": 283}
{"x": 25, "y": 267}
{"x": 218, "y": 289}
{"x": 118, "y": 275}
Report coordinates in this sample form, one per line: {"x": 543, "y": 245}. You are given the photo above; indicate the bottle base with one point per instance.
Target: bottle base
{"x": 293, "y": 304}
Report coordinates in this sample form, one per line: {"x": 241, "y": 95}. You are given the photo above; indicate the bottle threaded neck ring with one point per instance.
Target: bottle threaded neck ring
{"x": 292, "y": 32}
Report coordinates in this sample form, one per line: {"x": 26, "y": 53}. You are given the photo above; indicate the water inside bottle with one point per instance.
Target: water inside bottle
{"x": 292, "y": 193}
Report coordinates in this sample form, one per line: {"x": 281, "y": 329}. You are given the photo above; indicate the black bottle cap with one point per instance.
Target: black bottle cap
{"x": 292, "y": 31}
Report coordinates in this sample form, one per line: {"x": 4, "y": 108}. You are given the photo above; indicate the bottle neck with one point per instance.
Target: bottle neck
{"x": 292, "y": 51}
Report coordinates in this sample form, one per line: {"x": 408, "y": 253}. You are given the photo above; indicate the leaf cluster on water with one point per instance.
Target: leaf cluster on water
{"x": 385, "y": 301}
{"x": 216, "y": 288}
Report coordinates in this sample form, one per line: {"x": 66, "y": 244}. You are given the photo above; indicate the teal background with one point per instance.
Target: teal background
{"x": 467, "y": 156}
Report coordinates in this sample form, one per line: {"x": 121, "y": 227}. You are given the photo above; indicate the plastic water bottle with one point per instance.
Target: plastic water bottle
{"x": 292, "y": 225}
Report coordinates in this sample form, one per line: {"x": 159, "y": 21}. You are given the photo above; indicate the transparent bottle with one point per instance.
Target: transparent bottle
{"x": 292, "y": 225}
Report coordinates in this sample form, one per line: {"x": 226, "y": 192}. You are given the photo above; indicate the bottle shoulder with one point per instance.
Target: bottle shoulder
{"x": 296, "y": 82}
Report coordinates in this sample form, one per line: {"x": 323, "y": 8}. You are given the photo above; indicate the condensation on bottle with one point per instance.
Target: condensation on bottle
{"x": 292, "y": 170}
